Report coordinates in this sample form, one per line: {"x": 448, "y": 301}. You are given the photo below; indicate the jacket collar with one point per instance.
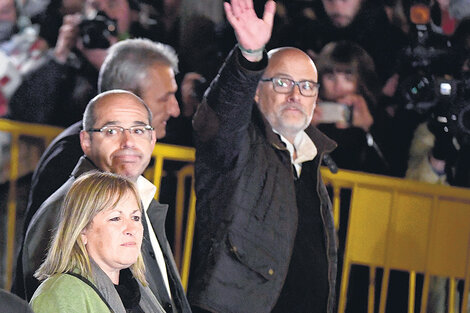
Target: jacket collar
{"x": 84, "y": 165}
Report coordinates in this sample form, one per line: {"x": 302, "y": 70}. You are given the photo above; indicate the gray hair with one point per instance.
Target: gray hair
{"x": 89, "y": 117}
{"x": 128, "y": 61}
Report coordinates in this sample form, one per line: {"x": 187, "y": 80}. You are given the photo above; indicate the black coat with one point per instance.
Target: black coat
{"x": 55, "y": 94}
{"x": 12, "y": 304}
{"x": 246, "y": 201}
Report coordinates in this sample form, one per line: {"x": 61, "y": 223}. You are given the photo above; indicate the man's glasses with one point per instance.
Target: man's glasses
{"x": 114, "y": 131}
{"x": 307, "y": 88}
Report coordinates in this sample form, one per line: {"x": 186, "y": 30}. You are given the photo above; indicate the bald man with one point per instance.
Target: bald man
{"x": 265, "y": 237}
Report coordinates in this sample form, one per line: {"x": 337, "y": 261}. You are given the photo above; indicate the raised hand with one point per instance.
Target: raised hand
{"x": 252, "y": 32}
{"x": 68, "y": 34}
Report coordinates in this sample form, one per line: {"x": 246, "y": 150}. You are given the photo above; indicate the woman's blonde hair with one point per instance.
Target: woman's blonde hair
{"x": 90, "y": 194}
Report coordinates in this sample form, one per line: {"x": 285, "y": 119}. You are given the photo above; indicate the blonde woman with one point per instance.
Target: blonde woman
{"x": 94, "y": 262}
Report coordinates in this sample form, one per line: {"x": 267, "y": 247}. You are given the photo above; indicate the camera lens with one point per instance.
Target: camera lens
{"x": 95, "y": 32}
{"x": 464, "y": 119}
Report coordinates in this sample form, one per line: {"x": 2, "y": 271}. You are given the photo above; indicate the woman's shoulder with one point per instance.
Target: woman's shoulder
{"x": 66, "y": 293}
{"x": 62, "y": 283}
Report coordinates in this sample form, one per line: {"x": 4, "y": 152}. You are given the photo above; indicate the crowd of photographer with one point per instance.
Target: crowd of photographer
{"x": 394, "y": 74}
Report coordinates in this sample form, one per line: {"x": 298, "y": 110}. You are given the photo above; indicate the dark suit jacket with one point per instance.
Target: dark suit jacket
{"x": 13, "y": 304}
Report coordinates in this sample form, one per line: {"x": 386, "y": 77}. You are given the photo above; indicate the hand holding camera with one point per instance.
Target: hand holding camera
{"x": 347, "y": 111}
{"x": 68, "y": 34}
{"x": 328, "y": 112}
{"x": 96, "y": 32}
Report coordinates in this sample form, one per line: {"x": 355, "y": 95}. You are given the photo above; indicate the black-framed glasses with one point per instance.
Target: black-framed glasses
{"x": 113, "y": 131}
{"x": 308, "y": 88}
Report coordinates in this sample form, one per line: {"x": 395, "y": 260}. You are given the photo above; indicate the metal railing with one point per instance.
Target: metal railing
{"x": 403, "y": 225}
{"x": 16, "y": 131}
{"x": 186, "y": 200}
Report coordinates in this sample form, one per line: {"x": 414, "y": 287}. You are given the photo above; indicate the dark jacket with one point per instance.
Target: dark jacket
{"x": 54, "y": 168}
{"x": 13, "y": 304}
{"x": 55, "y": 94}
{"x": 41, "y": 228}
{"x": 246, "y": 209}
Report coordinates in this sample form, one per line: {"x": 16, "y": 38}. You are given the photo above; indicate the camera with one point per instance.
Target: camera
{"x": 96, "y": 31}
{"x": 429, "y": 55}
{"x": 426, "y": 86}
{"x": 333, "y": 112}
{"x": 453, "y": 107}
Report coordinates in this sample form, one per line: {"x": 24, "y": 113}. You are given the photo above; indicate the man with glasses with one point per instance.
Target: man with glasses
{"x": 265, "y": 239}
{"x": 116, "y": 137}
{"x": 141, "y": 66}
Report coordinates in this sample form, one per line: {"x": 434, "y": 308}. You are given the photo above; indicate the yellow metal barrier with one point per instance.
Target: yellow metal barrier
{"x": 187, "y": 172}
{"x": 16, "y": 130}
{"x": 164, "y": 152}
{"x": 391, "y": 207}
{"x": 403, "y": 225}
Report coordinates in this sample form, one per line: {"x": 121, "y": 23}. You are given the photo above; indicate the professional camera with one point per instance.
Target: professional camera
{"x": 428, "y": 56}
{"x": 96, "y": 31}
{"x": 453, "y": 107}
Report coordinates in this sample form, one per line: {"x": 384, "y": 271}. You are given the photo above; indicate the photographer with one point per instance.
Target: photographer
{"x": 348, "y": 109}
{"x": 57, "y": 92}
{"x": 440, "y": 148}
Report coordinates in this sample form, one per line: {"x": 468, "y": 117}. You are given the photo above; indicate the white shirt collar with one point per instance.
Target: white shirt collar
{"x": 146, "y": 190}
{"x": 303, "y": 146}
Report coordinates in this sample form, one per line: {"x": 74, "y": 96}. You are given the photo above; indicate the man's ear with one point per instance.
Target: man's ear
{"x": 85, "y": 142}
{"x": 154, "y": 138}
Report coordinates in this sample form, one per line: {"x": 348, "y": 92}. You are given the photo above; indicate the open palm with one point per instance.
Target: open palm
{"x": 252, "y": 32}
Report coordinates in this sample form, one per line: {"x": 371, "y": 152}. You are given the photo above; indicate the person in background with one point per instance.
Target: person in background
{"x": 22, "y": 50}
{"x": 57, "y": 92}
{"x": 265, "y": 239}
{"x": 348, "y": 110}
{"x": 440, "y": 148}
{"x": 361, "y": 21}
{"x": 8, "y": 16}
{"x": 94, "y": 263}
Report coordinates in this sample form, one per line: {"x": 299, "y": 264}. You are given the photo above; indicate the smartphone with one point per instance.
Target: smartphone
{"x": 333, "y": 112}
